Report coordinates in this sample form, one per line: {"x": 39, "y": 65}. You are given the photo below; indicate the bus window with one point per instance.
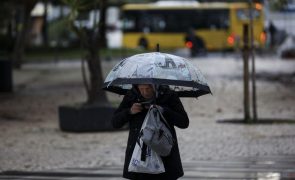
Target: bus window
{"x": 143, "y": 21}
{"x": 144, "y": 24}
{"x": 154, "y": 21}
{"x": 212, "y": 19}
{"x": 244, "y": 14}
{"x": 175, "y": 20}
{"x": 179, "y": 21}
{"x": 130, "y": 22}
{"x": 158, "y": 23}
{"x": 172, "y": 22}
{"x": 168, "y": 20}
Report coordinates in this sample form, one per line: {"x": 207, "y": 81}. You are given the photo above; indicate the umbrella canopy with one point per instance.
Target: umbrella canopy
{"x": 159, "y": 69}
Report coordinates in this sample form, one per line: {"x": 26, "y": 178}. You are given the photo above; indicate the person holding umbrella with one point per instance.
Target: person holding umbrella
{"x": 154, "y": 79}
{"x": 133, "y": 112}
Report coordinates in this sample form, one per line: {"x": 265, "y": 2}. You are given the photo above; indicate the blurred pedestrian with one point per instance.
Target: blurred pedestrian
{"x": 132, "y": 111}
{"x": 194, "y": 43}
{"x": 272, "y": 32}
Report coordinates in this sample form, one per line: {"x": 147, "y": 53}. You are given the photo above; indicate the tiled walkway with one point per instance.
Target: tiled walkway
{"x": 260, "y": 168}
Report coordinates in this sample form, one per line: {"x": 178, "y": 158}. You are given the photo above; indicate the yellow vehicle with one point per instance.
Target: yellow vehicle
{"x": 217, "y": 26}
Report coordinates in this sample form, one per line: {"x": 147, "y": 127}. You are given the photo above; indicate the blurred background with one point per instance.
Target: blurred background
{"x": 40, "y": 28}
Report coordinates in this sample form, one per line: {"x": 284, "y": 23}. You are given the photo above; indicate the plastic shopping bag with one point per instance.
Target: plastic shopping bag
{"x": 145, "y": 160}
{"x": 156, "y": 132}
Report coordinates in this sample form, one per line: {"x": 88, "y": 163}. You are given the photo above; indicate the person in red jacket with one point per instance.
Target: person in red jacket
{"x": 131, "y": 111}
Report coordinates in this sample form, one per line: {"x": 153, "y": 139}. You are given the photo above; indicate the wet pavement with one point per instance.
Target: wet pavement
{"x": 260, "y": 168}
{"x": 31, "y": 141}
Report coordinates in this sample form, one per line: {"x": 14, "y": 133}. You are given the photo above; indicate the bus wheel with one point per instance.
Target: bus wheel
{"x": 143, "y": 43}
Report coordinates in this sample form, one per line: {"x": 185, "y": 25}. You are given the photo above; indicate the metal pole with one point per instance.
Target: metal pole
{"x": 254, "y": 106}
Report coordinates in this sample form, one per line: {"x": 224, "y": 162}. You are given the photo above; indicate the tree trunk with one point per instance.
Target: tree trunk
{"x": 246, "y": 73}
{"x": 22, "y": 33}
{"x": 96, "y": 114}
{"x": 45, "y": 24}
{"x": 18, "y": 49}
{"x": 91, "y": 42}
{"x": 102, "y": 24}
{"x": 95, "y": 95}
{"x": 253, "y": 75}
{"x": 97, "y": 41}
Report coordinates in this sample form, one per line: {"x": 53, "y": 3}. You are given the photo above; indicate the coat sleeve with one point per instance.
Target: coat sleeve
{"x": 121, "y": 115}
{"x": 175, "y": 113}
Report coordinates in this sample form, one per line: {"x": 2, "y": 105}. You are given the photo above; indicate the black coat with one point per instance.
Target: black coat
{"x": 174, "y": 113}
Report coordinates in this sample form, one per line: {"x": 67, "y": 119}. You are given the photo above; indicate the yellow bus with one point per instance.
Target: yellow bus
{"x": 218, "y": 25}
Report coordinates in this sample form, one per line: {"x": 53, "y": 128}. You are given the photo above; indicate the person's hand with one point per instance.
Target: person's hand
{"x": 146, "y": 105}
{"x": 136, "y": 108}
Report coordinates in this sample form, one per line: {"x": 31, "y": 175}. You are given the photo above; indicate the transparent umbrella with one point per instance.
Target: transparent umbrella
{"x": 159, "y": 69}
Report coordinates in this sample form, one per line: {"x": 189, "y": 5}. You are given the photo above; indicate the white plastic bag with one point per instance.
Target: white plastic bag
{"x": 152, "y": 163}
